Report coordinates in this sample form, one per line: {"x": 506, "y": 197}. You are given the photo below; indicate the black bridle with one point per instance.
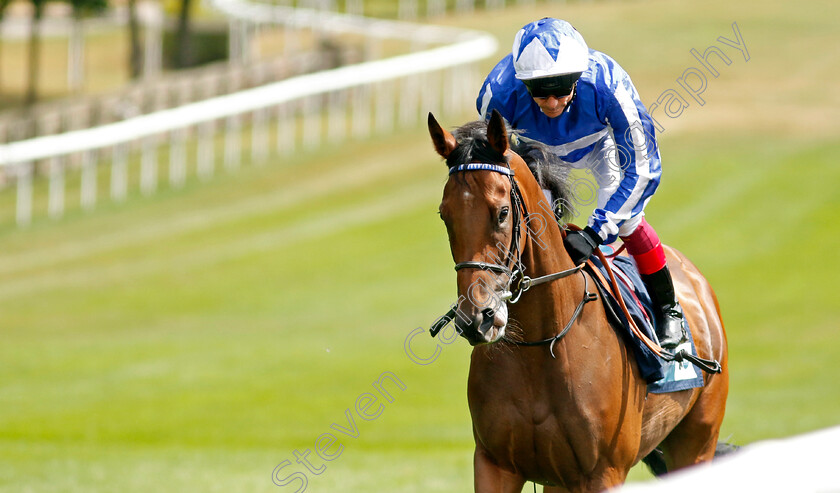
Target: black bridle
{"x": 517, "y": 282}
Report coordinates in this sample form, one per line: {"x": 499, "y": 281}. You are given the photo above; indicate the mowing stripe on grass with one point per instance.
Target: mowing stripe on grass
{"x": 188, "y": 221}
{"x": 398, "y": 201}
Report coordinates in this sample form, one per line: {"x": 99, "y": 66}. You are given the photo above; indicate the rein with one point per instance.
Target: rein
{"x": 515, "y": 269}
{"x": 709, "y": 366}
{"x": 587, "y": 297}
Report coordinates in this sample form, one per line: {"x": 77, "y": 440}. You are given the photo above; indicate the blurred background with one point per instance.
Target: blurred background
{"x": 191, "y": 298}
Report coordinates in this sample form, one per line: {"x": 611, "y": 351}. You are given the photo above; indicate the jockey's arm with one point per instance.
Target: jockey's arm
{"x": 635, "y": 158}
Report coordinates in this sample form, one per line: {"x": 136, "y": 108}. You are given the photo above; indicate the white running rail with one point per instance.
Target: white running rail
{"x": 350, "y": 101}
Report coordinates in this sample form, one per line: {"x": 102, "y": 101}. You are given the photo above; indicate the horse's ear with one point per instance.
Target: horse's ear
{"x": 443, "y": 140}
{"x": 497, "y": 133}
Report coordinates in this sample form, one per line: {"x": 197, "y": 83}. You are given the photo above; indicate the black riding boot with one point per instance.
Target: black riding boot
{"x": 669, "y": 314}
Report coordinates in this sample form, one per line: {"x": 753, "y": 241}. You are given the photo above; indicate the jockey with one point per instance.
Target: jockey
{"x": 582, "y": 104}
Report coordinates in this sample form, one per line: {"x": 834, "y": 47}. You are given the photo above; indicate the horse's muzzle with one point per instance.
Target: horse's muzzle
{"x": 482, "y": 325}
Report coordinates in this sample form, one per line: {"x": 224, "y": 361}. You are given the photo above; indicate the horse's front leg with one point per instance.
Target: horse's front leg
{"x": 490, "y": 478}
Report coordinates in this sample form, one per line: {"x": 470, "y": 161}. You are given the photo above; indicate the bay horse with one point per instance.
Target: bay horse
{"x": 574, "y": 416}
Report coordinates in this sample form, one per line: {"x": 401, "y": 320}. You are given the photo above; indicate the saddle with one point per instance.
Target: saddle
{"x": 663, "y": 372}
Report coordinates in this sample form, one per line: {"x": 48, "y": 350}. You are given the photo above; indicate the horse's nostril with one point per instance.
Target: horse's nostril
{"x": 486, "y": 323}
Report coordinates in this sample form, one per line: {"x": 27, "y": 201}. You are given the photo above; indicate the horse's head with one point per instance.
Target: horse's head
{"x": 482, "y": 210}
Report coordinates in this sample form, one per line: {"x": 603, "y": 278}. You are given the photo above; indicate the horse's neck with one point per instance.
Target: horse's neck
{"x": 544, "y": 254}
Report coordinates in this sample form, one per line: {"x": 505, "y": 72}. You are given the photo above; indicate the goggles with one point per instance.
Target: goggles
{"x": 558, "y": 86}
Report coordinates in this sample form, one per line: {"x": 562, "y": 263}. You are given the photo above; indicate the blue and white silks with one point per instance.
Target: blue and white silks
{"x": 606, "y": 129}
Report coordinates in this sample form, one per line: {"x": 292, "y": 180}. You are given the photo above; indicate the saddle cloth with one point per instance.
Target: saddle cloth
{"x": 661, "y": 376}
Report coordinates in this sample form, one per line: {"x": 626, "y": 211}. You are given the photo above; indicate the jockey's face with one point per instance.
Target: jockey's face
{"x": 552, "y": 106}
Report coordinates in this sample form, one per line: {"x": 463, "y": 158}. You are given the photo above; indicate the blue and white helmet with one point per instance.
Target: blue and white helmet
{"x": 549, "y": 47}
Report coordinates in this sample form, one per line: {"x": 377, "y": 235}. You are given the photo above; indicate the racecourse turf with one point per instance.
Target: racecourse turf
{"x": 194, "y": 340}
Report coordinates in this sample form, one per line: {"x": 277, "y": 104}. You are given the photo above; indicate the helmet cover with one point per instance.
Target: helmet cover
{"x": 548, "y": 47}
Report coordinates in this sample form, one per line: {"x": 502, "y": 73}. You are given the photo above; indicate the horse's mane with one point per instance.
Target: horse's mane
{"x": 550, "y": 172}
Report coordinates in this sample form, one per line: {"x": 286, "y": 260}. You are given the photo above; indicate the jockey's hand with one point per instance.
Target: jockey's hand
{"x": 581, "y": 244}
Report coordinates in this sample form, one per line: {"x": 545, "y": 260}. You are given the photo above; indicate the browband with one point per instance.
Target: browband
{"x": 481, "y": 167}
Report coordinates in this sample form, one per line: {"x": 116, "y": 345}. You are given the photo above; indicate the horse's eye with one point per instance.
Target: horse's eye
{"x": 503, "y": 214}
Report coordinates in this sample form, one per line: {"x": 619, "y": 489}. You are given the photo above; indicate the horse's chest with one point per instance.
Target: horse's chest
{"x": 539, "y": 433}
{"x": 525, "y": 424}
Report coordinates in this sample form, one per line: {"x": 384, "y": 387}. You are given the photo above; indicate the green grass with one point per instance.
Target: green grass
{"x": 192, "y": 341}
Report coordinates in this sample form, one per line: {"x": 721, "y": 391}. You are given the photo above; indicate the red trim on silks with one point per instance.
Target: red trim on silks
{"x": 644, "y": 245}
{"x": 642, "y": 240}
{"x": 652, "y": 261}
